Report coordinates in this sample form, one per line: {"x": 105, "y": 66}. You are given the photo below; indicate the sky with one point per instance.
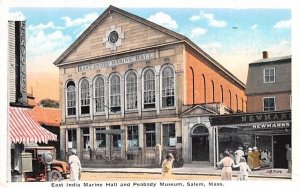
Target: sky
{"x": 233, "y": 37}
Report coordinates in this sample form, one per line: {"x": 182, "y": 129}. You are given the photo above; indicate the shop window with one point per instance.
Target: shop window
{"x": 100, "y": 138}
{"x": 85, "y": 96}
{"x": 169, "y": 138}
{"x": 269, "y": 103}
{"x": 269, "y": 75}
{"x": 149, "y": 89}
{"x": 99, "y": 94}
{"x": 71, "y": 99}
{"x": 133, "y": 136}
{"x": 116, "y": 137}
{"x": 131, "y": 90}
{"x": 168, "y": 85}
{"x": 150, "y": 135}
{"x": 72, "y": 138}
{"x": 115, "y": 94}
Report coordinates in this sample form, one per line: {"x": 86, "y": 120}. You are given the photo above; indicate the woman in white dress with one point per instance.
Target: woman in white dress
{"x": 228, "y": 164}
{"x": 75, "y": 166}
{"x": 244, "y": 169}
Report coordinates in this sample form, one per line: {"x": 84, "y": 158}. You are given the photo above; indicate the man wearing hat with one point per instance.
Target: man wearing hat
{"x": 238, "y": 154}
{"x": 75, "y": 166}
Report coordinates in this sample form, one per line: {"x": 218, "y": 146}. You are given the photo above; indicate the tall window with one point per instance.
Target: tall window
{"x": 149, "y": 89}
{"x": 72, "y": 139}
{"x": 213, "y": 91}
{"x": 222, "y": 94}
{"x": 150, "y": 134}
{"x": 131, "y": 90}
{"x": 71, "y": 99}
{"x": 269, "y": 75}
{"x": 116, "y": 137}
{"x": 85, "y": 96}
{"x": 169, "y": 138}
{"x": 204, "y": 88}
{"x": 99, "y": 94}
{"x": 168, "y": 85}
{"x": 229, "y": 98}
{"x": 115, "y": 94}
{"x": 100, "y": 138}
{"x": 237, "y": 102}
{"x": 133, "y": 136}
{"x": 269, "y": 103}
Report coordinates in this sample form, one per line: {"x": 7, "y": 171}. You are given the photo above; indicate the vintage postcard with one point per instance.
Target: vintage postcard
{"x": 107, "y": 94}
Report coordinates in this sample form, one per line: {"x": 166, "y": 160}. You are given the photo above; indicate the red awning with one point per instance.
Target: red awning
{"x": 23, "y": 128}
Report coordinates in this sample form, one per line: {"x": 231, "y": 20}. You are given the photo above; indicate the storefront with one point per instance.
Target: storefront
{"x": 268, "y": 131}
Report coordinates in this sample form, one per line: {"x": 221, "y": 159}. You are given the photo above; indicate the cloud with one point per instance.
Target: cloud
{"x": 164, "y": 20}
{"x": 16, "y": 16}
{"x": 254, "y": 26}
{"x": 212, "y": 21}
{"x": 39, "y": 42}
{"x": 41, "y": 26}
{"x": 197, "y": 32}
{"x": 282, "y": 48}
{"x": 284, "y": 24}
{"x": 86, "y": 20}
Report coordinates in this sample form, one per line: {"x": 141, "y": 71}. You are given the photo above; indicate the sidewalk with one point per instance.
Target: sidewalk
{"x": 195, "y": 169}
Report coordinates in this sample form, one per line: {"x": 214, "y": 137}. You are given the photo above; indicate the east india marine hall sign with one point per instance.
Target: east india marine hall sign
{"x": 263, "y": 120}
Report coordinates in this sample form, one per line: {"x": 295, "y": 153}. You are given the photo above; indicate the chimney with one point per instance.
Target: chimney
{"x": 265, "y": 55}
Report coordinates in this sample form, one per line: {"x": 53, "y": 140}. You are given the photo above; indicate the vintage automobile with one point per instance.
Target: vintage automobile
{"x": 58, "y": 169}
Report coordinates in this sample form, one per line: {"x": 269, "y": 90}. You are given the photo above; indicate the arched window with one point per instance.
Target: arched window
{"x": 199, "y": 130}
{"x": 85, "y": 96}
{"x": 71, "y": 99}
{"x": 168, "y": 85}
{"x": 222, "y": 94}
{"x": 115, "y": 94}
{"x": 193, "y": 82}
{"x": 99, "y": 94}
{"x": 237, "y": 102}
{"x": 229, "y": 98}
{"x": 149, "y": 89}
{"x": 204, "y": 88}
{"x": 242, "y": 104}
{"x": 213, "y": 91}
{"x": 131, "y": 90}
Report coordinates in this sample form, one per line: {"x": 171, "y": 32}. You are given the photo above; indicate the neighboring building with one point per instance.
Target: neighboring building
{"x": 267, "y": 123}
{"x": 23, "y": 129}
{"x": 125, "y": 82}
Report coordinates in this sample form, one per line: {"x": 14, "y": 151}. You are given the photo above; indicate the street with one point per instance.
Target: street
{"x": 100, "y": 176}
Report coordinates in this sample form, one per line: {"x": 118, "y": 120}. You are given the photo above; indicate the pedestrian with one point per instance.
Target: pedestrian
{"x": 256, "y": 158}
{"x": 250, "y": 158}
{"x": 91, "y": 153}
{"x": 167, "y": 166}
{"x": 265, "y": 158}
{"x": 75, "y": 166}
{"x": 228, "y": 164}
{"x": 244, "y": 170}
{"x": 289, "y": 157}
{"x": 238, "y": 154}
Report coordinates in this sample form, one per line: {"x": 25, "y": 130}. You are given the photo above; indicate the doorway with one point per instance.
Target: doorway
{"x": 279, "y": 142}
{"x": 200, "y": 143}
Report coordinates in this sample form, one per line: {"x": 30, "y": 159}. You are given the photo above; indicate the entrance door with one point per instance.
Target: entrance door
{"x": 200, "y": 148}
{"x": 279, "y": 150}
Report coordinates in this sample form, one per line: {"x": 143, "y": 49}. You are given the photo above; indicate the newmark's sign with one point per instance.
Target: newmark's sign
{"x": 266, "y": 120}
{"x": 118, "y": 61}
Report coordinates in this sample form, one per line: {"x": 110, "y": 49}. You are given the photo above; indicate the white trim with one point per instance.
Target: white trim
{"x": 263, "y": 102}
{"x": 94, "y": 94}
{"x": 125, "y": 89}
{"x": 264, "y": 73}
{"x": 142, "y": 89}
{"x": 160, "y": 88}
{"x": 79, "y": 96}
{"x": 66, "y": 99}
{"x": 109, "y": 93}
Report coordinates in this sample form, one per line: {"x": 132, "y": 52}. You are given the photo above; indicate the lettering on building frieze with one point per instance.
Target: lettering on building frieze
{"x": 119, "y": 61}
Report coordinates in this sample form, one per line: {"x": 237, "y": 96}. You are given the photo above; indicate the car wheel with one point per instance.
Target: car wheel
{"x": 55, "y": 175}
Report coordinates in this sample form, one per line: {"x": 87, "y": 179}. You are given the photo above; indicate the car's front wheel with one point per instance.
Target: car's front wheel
{"x": 55, "y": 175}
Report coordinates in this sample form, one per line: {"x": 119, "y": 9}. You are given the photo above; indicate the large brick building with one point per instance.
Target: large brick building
{"x": 125, "y": 82}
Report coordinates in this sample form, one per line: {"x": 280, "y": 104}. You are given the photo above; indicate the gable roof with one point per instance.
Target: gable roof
{"x": 180, "y": 37}
{"x": 189, "y": 112}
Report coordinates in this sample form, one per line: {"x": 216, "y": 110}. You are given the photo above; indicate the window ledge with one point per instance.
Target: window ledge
{"x": 168, "y": 108}
{"x": 84, "y": 115}
{"x": 149, "y": 109}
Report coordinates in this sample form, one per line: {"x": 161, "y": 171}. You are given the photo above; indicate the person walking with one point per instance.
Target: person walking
{"x": 256, "y": 159}
{"x": 75, "y": 166}
{"x": 289, "y": 157}
{"x": 238, "y": 154}
{"x": 244, "y": 170}
{"x": 167, "y": 166}
{"x": 90, "y": 153}
{"x": 250, "y": 158}
{"x": 228, "y": 164}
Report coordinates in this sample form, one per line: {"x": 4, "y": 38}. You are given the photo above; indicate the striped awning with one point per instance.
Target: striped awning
{"x": 24, "y": 129}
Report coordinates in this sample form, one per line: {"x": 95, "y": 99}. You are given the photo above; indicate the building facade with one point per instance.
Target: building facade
{"x": 125, "y": 82}
{"x": 267, "y": 123}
